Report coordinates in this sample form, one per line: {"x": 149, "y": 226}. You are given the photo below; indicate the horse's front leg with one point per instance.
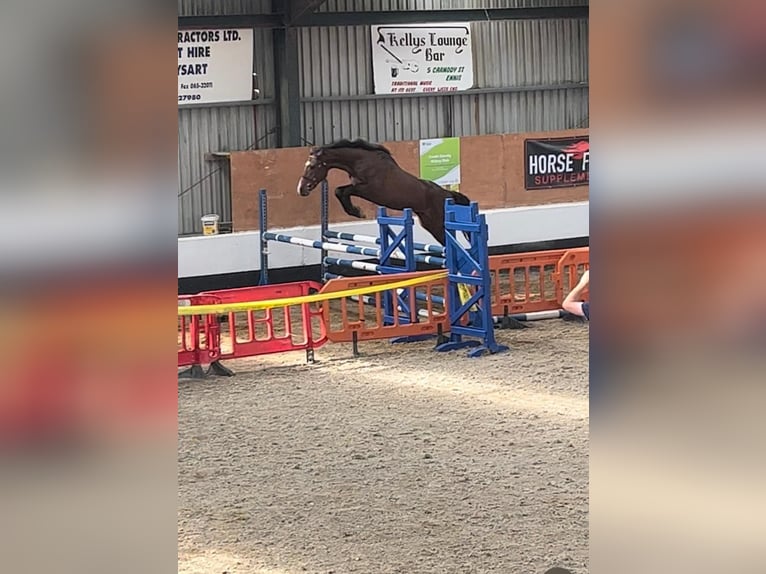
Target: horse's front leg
{"x": 344, "y": 193}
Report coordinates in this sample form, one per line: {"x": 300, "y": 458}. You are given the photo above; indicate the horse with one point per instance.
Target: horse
{"x": 376, "y": 177}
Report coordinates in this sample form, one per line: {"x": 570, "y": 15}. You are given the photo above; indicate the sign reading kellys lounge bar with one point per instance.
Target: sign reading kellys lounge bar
{"x": 422, "y": 58}
{"x": 556, "y": 162}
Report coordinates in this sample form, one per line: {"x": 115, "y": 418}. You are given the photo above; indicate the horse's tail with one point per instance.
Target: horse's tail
{"x": 459, "y": 198}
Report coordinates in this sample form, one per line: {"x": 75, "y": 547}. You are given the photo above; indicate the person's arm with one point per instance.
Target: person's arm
{"x": 572, "y": 302}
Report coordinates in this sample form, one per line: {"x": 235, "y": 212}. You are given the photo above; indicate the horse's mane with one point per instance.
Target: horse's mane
{"x": 359, "y": 144}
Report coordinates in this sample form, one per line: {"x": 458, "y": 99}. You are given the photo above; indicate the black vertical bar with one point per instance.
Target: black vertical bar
{"x": 286, "y": 59}
{"x": 264, "y": 280}
{"x": 440, "y": 337}
{"x": 308, "y": 328}
{"x": 355, "y": 343}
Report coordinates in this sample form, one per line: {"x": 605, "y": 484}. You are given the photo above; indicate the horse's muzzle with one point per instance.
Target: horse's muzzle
{"x": 304, "y": 187}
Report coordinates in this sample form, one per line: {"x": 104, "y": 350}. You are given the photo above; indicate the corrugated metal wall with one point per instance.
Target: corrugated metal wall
{"x": 531, "y": 75}
{"x": 381, "y": 5}
{"x": 204, "y": 185}
{"x": 223, "y": 7}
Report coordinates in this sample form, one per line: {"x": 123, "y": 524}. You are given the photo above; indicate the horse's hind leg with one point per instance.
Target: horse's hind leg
{"x": 343, "y": 193}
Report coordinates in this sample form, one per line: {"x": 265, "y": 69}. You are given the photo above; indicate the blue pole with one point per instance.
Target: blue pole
{"x": 264, "y": 279}
{"x": 383, "y": 261}
{"x": 407, "y": 240}
{"x": 324, "y": 222}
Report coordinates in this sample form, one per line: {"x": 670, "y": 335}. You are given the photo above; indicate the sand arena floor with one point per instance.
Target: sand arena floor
{"x": 402, "y": 460}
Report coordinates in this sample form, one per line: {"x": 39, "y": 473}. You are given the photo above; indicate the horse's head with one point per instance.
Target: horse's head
{"x": 314, "y": 173}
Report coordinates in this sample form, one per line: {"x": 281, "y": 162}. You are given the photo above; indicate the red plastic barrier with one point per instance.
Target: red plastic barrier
{"x": 277, "y": 330}
{"x": 199, "y": 336}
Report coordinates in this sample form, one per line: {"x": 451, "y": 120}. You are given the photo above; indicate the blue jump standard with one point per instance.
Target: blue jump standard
{"x": 396, "y": 253}
{"x": 470, "y": 267}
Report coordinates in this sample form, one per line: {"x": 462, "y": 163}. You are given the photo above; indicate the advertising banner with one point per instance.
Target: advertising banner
{"x": 422, "y": 58}
{"x": 556, "y": 162}
{"x": 215, "y": 66}
{"x": 440, "y": 161}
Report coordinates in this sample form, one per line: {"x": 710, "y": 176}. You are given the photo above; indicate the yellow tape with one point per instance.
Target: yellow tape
{"x": 465, "y": 295}
{"x": 259, "y": 305}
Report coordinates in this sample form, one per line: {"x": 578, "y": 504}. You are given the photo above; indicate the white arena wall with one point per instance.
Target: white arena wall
{"x": 240, "y": 252}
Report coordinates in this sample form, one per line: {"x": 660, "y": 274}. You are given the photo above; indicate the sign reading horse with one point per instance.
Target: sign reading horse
{"x": 422, "y": 58}
{"x": 556, "y": 162}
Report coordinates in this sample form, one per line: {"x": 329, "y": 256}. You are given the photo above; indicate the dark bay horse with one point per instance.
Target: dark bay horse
{"x": 376, "y": 177}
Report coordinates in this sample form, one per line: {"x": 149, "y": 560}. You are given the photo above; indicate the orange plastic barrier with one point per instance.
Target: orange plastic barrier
{"x": 346, "y": 317}
{"x": 569, "y": 268}
{"x": 199, "y": 336}
{"x": 521, "y": 283}
{"x": 277, "y": 330}
{"x": 524, "y": 282}
{"x": 539, "y": 281}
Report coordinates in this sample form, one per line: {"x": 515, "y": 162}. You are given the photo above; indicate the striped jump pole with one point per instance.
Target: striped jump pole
{"x": 526, "y": 317}
{"x": 497, "y": 320}
{"x": 429, "y": 259}
{"x": 436, "y": 299}
{"x": 361, "y": 265}
{"x": 337, "y": 247}
{"x": 534, "y": 316}
{"x": 369, "y": 300}
{"x": 424, "y": 297}
{"x": 343, "y": 248}
{"x": 358, "y": 238}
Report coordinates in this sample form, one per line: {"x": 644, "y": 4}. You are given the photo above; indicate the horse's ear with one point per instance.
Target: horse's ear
{"x": 314, "y": 151}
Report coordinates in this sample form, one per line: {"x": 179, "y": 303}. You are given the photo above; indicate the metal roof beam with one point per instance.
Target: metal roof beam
{"x": 231, "y": 21}
{"x": 314, "y": 19}
{"x": 296, "y": 9}
{"x": 435, "y": 16}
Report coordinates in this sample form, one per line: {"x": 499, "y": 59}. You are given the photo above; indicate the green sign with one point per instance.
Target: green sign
{"x": 440, "y": 161}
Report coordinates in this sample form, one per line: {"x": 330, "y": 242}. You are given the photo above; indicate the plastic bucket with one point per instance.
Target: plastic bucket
{"x": 210, "y": 224}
